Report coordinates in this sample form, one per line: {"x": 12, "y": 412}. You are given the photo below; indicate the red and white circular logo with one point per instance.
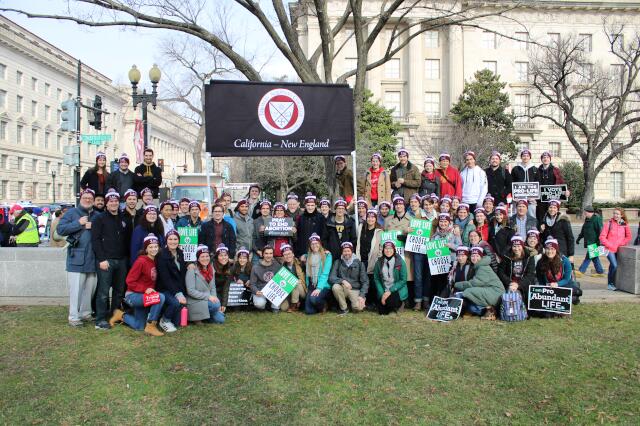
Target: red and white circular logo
{"x": 281, "y": 112}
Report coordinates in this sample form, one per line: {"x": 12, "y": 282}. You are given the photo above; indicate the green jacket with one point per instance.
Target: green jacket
{"x": 485, "y": 288}
{"x": 399, "y": 278}
{"x": 590, "y": 231}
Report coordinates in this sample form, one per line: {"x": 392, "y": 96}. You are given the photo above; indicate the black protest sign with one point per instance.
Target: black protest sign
{"x": 525, "y": 190}
{"x": 279, "y": 227}
{"x": 236, "y": 295}
{"x": 553, "y": 192}
{"x": 550, "y": 299}
{"x": 445, "y": 310}
{"x": 276, "y": 119}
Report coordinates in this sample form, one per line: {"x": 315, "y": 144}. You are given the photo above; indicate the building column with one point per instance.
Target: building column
{"x": 455, "y": 74}
{"x": 415, "y": 71}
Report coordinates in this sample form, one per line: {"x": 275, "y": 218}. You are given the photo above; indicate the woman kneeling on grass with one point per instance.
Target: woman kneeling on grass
{"x": 517, "y": 271}
{"x": 202, "y": 298}
{"x": 318, "y": 270}
{"x": 141, "y": 281}
{"x": 390, "y": 277}
{"x": 482, "y": 292}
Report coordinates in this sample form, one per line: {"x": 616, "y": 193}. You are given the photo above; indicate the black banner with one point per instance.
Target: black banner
{"x": 444, "y": 310}
{"x": 277, "y": 119}
{"x": 550, "y": 299}
{"x": 553, "y": 192}
{"x": 236, "y": 295}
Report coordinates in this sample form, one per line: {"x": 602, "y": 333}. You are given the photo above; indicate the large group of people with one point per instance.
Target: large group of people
{"x": 125, "y": 263}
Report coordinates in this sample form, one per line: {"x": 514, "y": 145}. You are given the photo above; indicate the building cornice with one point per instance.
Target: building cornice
{"x": 559, "y": 5}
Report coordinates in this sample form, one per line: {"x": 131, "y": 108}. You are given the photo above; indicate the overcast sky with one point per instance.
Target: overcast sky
{"x": 112, "y": 50}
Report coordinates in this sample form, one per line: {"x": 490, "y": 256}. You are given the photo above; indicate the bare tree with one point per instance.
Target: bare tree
{"x": 282, "y": 175}
{"x": 598, "y": 108}
{"x": 193, "y": 17}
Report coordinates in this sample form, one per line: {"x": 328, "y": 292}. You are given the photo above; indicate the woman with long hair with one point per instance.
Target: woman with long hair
{"x": 481, "y": 223}
{"x": 390, "y": 278}
{"x": 172, "y": 270}
{"x": 96, "y": 177}
{"x": 202, "y": 298}
{"x": 615, "y": 234}
{"x": 430, "y": 181}
{"x": 533, "y": 245}
{"x": 148, "y": 224}
{"x": 500, "y": 232}
{"x": 293, "y": 265}
{"x": 318, "y": 269}
{"x": 517, "y": 271}
{"x": 368, "y": 249}
{"x": 481, "y": 293}
{"x": 241, "y": 269}
{"x": 462, "y": 269}
{"x": 475, "y": 239}
{"x": 557, "y": 225}
{"x": 222, "y": 274}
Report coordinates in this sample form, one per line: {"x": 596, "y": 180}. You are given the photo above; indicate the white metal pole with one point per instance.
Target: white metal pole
{"x": 355, "y": 191}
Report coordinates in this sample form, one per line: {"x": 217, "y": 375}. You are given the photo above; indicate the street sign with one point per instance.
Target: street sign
{"x": 96, "y": 139}
{"x": 71, "y": 155}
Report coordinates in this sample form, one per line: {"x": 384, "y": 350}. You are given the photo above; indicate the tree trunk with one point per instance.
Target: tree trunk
{"x": 197, "y": 150}
{"x": 589, "y": 184}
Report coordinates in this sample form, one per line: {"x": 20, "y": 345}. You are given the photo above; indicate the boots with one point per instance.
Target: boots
{"x": 417, "y": 307}
{"x": 490, "y": 314}
{"x": 152, "y": 329}
{"x": 294, "y": 307}
{"x": 116, "y": 317}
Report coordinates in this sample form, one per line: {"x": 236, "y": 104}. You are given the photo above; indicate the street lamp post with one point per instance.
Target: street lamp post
{"x": 53, "y": 176}
{"x": 144, "y": 98}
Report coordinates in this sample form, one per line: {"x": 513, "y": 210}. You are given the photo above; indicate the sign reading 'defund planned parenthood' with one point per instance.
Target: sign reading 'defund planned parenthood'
{"x": 263, "y": 119}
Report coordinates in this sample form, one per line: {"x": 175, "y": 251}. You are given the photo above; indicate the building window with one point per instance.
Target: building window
{"x": 432, "y": 104}
{"x": 20, "y": 163}
{"x": 47, "y": 138}
{"x": 432, "y": 69}
{"x": 58, "y": 142}
{"x": 585, "y": 110}
{"x": 491, "y": 66}
{"x": 20, "y": 134}
{"x": 618, "y": 145}
{"x": 522, "y": 145}
{"x": 522, "y": 71}
{"x": 3, "y": 99}
{"x": 47, "y": 89}
{"x": 617, "y": 185}
{"x": 523, "y": 40}
{"x": 392, "y": 102}
{"x": 585, "y": 72}
{"x": 3, "y": 162}
{"x": 59, "y": 94}
{"x": 521, "y": 108}
{"x": 19, "y": 78}
{"x": 586, "y": 42}
{"x": 4, "y": 190}
{"x": 34, "y": 137}
{"x": 34, "y": 84}
{"x": 22, "y": 194}
{"x": 19, "y": 104}
{"x": 392, "y": 68}
{"x": 3, "y": 71}
{"x": 3, "y": 130}
{"x": 555, "y": 149}
{"x": 488, "y": 40}
{"x": 58, "y": 117}
{"x": 554, "y": 39}
{"x": 34, "y": 108}
{"x": 431, "y": 39}
{"x": 47, "y": 112}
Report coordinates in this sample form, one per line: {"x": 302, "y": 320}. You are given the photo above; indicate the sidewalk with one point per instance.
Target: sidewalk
{"x": 595, "y": 291}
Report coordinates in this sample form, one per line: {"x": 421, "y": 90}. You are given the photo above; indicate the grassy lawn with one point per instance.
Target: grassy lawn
{"x": 289, "y": 368}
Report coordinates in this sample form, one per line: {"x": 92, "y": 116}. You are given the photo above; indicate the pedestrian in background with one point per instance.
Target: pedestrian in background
{"x": 590, "y": 231}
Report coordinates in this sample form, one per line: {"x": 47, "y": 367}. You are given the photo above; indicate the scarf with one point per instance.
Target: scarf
{"x": 387, "y": 271}
{"x": 350, "y": 260}
{"x": 550, "y": 221}
{"x": 206, "y": 272}
{"x": 314, "y": 263}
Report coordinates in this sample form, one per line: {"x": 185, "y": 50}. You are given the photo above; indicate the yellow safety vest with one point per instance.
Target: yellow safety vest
{"x": 29, "y": 235}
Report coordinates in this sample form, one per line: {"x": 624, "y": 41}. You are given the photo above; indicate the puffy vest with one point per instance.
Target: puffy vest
{"x": 30, "y": 235}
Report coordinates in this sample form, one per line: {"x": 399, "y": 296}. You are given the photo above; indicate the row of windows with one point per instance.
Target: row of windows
{"x": 35, "y": 83}
{"x": 35, "y": 166}
{"x": 35, "y": 191}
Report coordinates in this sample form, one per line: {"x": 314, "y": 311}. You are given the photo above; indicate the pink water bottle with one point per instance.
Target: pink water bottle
{"x": 184, "y": 316}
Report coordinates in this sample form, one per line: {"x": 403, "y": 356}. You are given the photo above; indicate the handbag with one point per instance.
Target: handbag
{"x": 149, "y": 299}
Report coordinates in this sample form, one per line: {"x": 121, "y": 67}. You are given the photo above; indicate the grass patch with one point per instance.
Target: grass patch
{"x": 289, "y": 368}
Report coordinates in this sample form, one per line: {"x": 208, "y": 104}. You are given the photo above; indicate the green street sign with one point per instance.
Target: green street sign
{"x": 96, "y": 139}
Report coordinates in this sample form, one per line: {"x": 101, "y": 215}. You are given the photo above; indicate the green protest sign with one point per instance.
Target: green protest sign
{"x": 188, "y": 242}
{"x": 280, "y": 286}
{"x": 439, "y": 257}
{"x": 595, "y": 251}
{"x": 393, "y": 236}
{"x": 418, "y": 238}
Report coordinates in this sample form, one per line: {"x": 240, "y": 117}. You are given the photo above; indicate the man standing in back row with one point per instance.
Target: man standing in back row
{"x": 498, "y": 179}
{"x": 148, "y": 175}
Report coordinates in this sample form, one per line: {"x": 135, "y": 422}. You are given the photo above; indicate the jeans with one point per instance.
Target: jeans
{"x": 596, "y": 264}
{"x": 114, "y": 277}
{"x": 420, "y": 271}
{"x": 315, "y": 304}
{"x": 141, "y": 315}
{"x": 172, "y": 309}
{"x": 469, "y": 306}
{"x": 613, "y": 267}
{"x": 215, "y": 316}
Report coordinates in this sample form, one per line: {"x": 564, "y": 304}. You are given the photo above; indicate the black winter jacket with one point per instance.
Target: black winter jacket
{"x": 501, "y": 241}
{"x": 170, "y": 279}
{"x": 528, "y": 277}
{"x": 330, "y": 239}
{"x": 121, "y": 182}
{"x": 108, "y": 237}
{"x": 561, "y": 231}
{"x": 499, "y": 183}
{"x": 207, "y": 236}
{"x": 306, "y": 225}
{"x": 90, "y": 180}
{"x": 150, "y": 177}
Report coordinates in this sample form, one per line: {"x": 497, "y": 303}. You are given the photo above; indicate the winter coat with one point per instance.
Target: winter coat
{"x": 528, "y": 277}
{"x": 427, "y": 186}
{"x": 323, "y": 275}
{"x": 344, "y": 182}
{"x": 356, "y": 275}
{"x": 521, "y": 173}
{"x": 490, "y": 253}
{"x": 561, "y": 231}
{"x": 222, "y": 277}
{"x": 450, "y": 182}
{"x": 399, "y": 278}
{"x": 185, "y": 222}
{"x": 91, "y": 180}
{"x": 566, "y": 279}
{"x": 298, "y": 271}
{"x": 171, "y": 279}
{"x": 207, "y": 236}
{"x": 384, "y": 186}
{"x": 412, "y": 180}
{"x": 615, "y": 235}
{"x": 376, "y": 249}
{"x": 549, "y": 176}
{"x": 150, "y": 177}
{"x": 466, "y": 226}
{"x": 474, "y": 185}
{"x": 142, "y": 276}
{"x": 137, "y": 241}
{"x": 80, "y": 257}
{"x": 590, "y": 231}
{"x": 501, "y": 240}
{"x": 307, "y": 224}
{"x": 531, "y": 223}
{"x": 108, "y": 237}
{"x": 499, "y": 183}
{"x": 261, "y": 274}
{"x": 394, "y": 223}
{"x": 331, "y": 241}
{"x": 244, "y": 231}
{"x": 121, "y": 182}
{"x": 198, "y": 293}
{"x": 259, "y": 240}
{"x": 485, "y": 288}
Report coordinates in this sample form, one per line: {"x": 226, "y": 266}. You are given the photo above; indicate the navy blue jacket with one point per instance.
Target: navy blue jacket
{"x": 80, "y": 258}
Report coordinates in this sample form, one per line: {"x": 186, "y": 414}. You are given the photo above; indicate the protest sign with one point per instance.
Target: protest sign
{"x": 236, "y": 293}
{"x": 280, "y": 286}
{"x": 439, "y": 257}
{"x": 445, "y": 310}
{"x": 525, "y": 190}
{"x": 550, "y": 299}
{"x": 188, "y": 242}
{"x": 596, "y": 251}
{"x": 279, "y": 227}
{"x": 417, "y": 240}
{"x": 393, "y": 236}
{"x": 553, "y": 192}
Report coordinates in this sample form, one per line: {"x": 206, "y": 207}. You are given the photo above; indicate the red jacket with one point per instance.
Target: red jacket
{"x": 614, "y": 235}
{"x": 450, "y": 182}
{"x": 142, "y": 275}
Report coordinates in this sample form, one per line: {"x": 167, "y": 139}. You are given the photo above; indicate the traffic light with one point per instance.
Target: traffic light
{"x": 69, "y": 115}
{"x": 97, "y": 113}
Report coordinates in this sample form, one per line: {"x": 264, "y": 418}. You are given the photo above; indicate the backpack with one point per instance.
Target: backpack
{"x": 512, "y": 308}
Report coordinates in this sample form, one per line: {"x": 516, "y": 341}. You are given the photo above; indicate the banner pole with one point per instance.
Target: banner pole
{"x": 209, "y": 191}
{"x": 355, "y": 191}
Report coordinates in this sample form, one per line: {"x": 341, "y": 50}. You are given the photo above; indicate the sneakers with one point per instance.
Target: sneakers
{"x": 152, "y": 329}
{"x": 103, "y": 325}
{"x": 342, "y": 313}
{"x": 167, "y": 326}
{"x": 597, "y": 275}
{"x": 611, "y": 287}
{"x": 76, "y": 323}
{"x": 116, "y": 317}
{"x": 580, "y": 274}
